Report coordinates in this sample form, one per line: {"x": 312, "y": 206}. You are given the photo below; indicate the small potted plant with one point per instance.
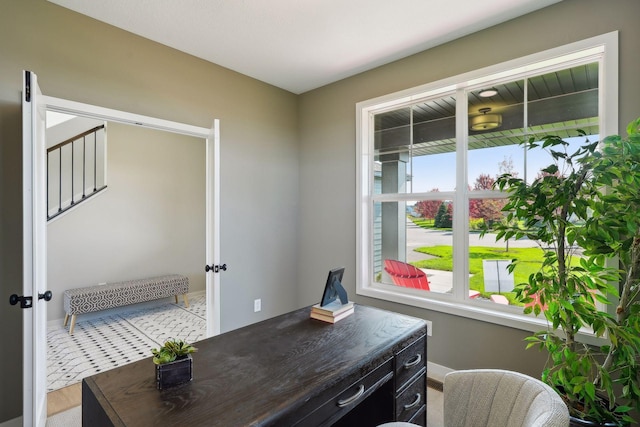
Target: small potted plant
{"x": 174, "y": 364}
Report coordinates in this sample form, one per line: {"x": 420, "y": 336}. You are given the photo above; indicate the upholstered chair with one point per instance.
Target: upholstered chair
{"x": 496, "y": 398}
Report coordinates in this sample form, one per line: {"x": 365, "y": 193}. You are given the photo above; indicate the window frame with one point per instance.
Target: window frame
{"x": 603, "y": 49}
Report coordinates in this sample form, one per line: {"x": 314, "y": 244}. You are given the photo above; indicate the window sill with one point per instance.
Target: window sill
{"x": 483, "y": 311}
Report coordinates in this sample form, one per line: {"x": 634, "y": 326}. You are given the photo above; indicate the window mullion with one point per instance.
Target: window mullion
{"x": 461, "y": 204}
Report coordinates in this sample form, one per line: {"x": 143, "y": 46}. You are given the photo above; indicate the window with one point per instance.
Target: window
{"x": 427, "y": 161}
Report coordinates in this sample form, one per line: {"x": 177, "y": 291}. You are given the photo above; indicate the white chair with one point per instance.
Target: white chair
{"x": 498, "y": 398}
{"x": 398, "y": 424}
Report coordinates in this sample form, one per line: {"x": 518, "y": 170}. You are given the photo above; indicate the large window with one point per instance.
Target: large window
{"x": 427, "y": 161}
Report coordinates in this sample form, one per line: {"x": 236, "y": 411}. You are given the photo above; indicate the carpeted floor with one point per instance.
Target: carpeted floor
{"x": 69, "y": 418}
{"x": 112, "y": 340}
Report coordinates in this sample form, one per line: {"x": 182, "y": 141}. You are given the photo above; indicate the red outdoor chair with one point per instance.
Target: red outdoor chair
{"x": 406, "y": 275}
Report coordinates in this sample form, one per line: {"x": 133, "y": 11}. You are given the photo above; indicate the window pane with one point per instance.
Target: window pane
{"x": 563, "y": 101}
{"x": 560, "y": 103}
{"x": 413, "y": 245}
{"x": 496, "y": 128}
{"x": 433, "y": 155}
{"x": 392, "y": 142}
{"x": 489, "y": 279}
{"x": 415, "y": 148}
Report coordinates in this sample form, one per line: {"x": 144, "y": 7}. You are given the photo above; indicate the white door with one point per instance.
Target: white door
{"x": 34, "y": 254}
{"x": 212, "y": 252}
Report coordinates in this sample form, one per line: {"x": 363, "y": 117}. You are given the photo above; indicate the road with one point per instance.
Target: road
{"x": 418, "y": 237}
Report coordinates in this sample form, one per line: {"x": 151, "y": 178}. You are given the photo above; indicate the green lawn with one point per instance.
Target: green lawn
{"x": 530, "y": 262}
{"x": 422, "y": 222}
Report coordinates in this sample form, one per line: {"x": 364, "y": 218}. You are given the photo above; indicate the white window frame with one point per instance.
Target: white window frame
{"x": 603, "y": 48}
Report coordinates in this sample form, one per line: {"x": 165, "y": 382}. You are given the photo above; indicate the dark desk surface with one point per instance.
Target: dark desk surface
{"x": 255, "y": 375}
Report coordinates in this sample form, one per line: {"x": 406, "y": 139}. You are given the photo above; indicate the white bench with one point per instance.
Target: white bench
{"x": 110, "y": 295}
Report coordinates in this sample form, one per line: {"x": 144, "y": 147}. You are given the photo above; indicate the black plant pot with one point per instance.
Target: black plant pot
{"x": 170, "y": 374}
{"x": 577, "y": 422}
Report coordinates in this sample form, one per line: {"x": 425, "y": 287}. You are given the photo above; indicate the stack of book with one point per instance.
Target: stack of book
{"x": 332, "y": 312}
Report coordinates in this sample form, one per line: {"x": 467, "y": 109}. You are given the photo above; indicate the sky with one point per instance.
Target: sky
{"x": 438, "y": 171}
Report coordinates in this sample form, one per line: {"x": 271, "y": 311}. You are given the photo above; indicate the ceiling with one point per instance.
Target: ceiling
{"x": 300, "y": 45}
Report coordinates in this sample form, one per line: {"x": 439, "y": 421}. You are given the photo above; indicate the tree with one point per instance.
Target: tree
{"x": 506, "y": 167}
{"x": 428, "y": 208}
{"x": 484, "y": 182}
{"x": 444, "y": 216}
{"x": 489, "y": 210}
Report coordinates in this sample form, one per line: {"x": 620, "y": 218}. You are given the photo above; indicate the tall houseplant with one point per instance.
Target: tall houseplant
{"x": 571, "y": 210}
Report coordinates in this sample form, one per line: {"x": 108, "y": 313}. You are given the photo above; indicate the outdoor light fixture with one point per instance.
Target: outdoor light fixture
{"x": 486, "y": 93}
{"x": 485, "y": 121}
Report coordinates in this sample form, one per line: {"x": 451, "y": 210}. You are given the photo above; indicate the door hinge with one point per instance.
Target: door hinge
{"x": 27, "y": 89}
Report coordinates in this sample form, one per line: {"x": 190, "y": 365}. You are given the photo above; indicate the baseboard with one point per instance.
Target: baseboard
{"x": 435, "y": 375}
{"x": 435, "y": 385}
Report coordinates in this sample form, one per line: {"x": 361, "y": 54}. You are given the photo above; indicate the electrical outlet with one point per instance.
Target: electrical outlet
{"x": 429, "y": 327}
{"x": 257, "y": 305}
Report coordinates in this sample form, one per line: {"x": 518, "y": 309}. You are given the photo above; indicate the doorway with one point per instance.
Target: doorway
{"x": 147, "y": 221}
{"x": 34, "y": 104}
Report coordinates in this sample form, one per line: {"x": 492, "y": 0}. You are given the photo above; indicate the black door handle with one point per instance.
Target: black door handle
{"x": 46, "y": 296}
{"x": 216, "y": 268}
{"x": 27, "y": 302}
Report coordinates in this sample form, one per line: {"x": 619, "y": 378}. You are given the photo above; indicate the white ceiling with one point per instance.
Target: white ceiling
{"x": 299, "y": 45}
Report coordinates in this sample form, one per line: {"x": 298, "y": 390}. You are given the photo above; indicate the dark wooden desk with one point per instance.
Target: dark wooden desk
{"x": 288, "y": 370}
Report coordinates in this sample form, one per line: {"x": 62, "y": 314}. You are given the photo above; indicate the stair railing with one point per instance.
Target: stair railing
{"x": 64, "y": 179}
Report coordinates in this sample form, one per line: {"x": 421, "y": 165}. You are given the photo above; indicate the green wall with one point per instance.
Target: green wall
{"x": 78, "y": 58}
{"x": 328, "y": 150}
{"x": 300, "y": 149}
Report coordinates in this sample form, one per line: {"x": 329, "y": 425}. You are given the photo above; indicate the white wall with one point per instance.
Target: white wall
{"x": 149, "y": 222}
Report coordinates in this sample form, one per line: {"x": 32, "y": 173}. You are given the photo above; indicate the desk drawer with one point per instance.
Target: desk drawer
{"x": 409, "y": 362}
{"x": 420, "y": 418}
{"x": 349, "y": 396}
{"x": 412, "y": 399}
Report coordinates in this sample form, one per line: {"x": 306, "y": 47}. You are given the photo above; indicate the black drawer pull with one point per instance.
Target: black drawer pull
{"x": 349, "y": 400}
{"x": 414, "y": 403}
{"x": 411, "y": 363}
